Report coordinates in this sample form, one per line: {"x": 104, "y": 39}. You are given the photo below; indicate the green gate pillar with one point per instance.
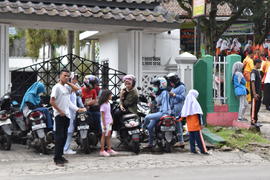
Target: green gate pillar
{"x": 232, "y": 100}
{"x": 203, "y": 83}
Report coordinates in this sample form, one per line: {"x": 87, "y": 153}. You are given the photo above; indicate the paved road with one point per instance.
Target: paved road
{"x": 222, "y": 172}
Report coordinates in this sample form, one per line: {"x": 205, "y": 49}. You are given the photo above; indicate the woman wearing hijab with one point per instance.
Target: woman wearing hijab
{"x": 218, "y": 46}
{"x": 224, "y": 48}
{"x": 248, "y": 47}
{"x": 31, "y": 101}
{"x": 240, "y": 91}
{"x": 235, "y": 47}
{"x": 192, "y": 111}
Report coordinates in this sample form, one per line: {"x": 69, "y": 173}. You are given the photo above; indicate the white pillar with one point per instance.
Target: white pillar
{"x": 4, "y": 59}
{"x": 134, "y": 60}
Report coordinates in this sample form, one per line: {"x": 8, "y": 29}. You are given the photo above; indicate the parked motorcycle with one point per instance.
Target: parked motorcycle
{"x": 5, "y": 130}
{"x": 87, "y": 134}
{"x": 129, "y": 131}
{"x": 166, "y": 135}
{"x": 39, "y": 136}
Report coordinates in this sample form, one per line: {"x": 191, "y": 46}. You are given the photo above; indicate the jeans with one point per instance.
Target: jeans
{"x": 196, "y": 136}
{"x": 242, "y": 106}
{"x": 48, "y": 115}
{"x": 179, "y": 129}
{"x": 150, "y": 122}
{"x": 61, "y": 128}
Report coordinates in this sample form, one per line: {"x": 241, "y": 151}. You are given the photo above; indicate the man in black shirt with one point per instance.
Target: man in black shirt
{"x": 256, "y": 92}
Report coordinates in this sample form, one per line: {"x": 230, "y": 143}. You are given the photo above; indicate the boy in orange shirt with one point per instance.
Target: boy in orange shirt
{"x": 192, "y": 111}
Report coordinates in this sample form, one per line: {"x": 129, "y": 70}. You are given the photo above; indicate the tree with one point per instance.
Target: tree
{"x": 35, "y": 39}
{"x": 258, "y": 12}
{"x": 209, "y": 24}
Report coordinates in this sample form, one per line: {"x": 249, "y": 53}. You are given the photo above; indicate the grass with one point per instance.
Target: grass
{"x": 238, "y": 138}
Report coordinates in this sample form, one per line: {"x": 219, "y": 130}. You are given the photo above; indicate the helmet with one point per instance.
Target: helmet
{"x": 130, "y": 78}
{"x": 90, "y": 80}
{"x": 173, "y": 78}
{"x": 160, "y": 82}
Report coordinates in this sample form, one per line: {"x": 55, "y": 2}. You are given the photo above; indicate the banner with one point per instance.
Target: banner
{"x": 240, "y": 29}
{"x": 198, "y": 7}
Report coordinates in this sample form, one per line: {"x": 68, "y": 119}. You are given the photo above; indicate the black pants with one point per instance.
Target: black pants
{"x": 61, "y": 124}
{"x": 117, "y": 118}
{"x": 196, "y": 136}
{"x": 255, "y": 108}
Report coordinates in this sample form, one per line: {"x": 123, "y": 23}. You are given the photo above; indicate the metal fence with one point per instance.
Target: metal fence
{"x": 219, "y": 82}
{"x": 47, "y": 72}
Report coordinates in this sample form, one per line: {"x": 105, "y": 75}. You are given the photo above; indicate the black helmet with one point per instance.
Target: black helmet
{"x": 173, "y": 78}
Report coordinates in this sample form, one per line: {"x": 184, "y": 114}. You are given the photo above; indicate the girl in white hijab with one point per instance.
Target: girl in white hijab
{"x": 192, "y": 112}
{"x": 218, "y": 46}
{"x": 235, "y": 47}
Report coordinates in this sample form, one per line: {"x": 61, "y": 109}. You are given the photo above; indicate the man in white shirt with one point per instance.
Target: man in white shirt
{"x": 60, "y": 101}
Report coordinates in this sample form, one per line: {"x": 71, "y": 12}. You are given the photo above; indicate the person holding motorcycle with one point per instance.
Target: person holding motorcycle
{"x": 162, "y": 99}
{"x": 177, "y": 99}
{"x": 128, "y": 100}
{"x": 31, "y": 101}
{"x": 74, "y": 100}
{"x": 90, "y": 99}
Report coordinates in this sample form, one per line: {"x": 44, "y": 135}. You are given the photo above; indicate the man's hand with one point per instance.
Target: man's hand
{"x": 80, "y": 110}
{"x": 172, "y": 94}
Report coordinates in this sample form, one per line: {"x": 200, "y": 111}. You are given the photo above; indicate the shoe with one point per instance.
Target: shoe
{"x": 179, "y": 144}
{"x": 242, "y": 120}
{"x": 104, "y": 153}
{"x": 64, "y": 160}
{"x": 70, "y": 151}
{"x": 205, "y": 153}
{"x": 148, "y": 146}
{"x": 112, "y": 152}
{"x": 194, "y": 152}
{"x": 59, "y": 163}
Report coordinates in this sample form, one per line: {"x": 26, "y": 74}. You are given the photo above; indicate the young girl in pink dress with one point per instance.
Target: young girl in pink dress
{"x": 106, "y": 123}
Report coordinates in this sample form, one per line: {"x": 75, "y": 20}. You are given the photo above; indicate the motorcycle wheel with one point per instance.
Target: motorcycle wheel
{"x": 168, "y": 147}
{"x": 6, "y": 142}
{"x": 43, "y": 146}
{"x": 135, "y": 147}
{"x": 85, "y": 146}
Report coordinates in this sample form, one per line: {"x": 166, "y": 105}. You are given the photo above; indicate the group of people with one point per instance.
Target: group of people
{"x": 228, "y": 46}
{"x": 251, "y": 81}
{"x": 68, "y": 97}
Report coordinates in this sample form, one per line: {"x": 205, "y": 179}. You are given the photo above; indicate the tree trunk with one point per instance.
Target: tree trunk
{"x": 70, "y": 41}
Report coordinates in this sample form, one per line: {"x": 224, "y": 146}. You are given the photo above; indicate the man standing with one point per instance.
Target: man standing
{"x": 256, "y": 92}
{"x": 60, "y": 101}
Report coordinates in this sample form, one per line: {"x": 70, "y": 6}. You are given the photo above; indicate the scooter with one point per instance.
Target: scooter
{"x": 39, "y": 136}
{"x": 87, "y": 135}
{"x": 166, "y": 135}
{"x": 5, "y": 130}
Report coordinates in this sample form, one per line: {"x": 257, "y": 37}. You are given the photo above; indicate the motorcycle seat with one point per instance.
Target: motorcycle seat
{"x": 129, "y": 116}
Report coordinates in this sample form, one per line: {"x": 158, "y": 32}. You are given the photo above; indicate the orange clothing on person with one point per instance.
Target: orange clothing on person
{"x": 248, "y": 67}
{"x": 193, "y": 123}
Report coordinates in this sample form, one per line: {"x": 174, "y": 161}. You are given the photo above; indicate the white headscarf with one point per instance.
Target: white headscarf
{"x": 236, "y": 45}
{"x": 237, "y": 70}
{"x": 267, "y": 77}
{"x": 191, "y": 105}
{"x": 224, "y": 45}
{"x": 219, "y": 43}
{"x": 248, "y": 45}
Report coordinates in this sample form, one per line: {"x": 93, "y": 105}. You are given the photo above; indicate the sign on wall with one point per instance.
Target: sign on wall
{"x": 187, "y": 37}
{"x": 239, "y": 29}
{"x": 198, "y": 7}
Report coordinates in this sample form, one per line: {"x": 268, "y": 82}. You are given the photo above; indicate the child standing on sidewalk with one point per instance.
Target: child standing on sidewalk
{"x": 192, "y": 111}
{"x": 106, "y": 123}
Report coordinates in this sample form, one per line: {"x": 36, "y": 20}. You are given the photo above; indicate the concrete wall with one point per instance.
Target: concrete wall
{"x": 163, "y": 45}
{"x": 109, "y": 49}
